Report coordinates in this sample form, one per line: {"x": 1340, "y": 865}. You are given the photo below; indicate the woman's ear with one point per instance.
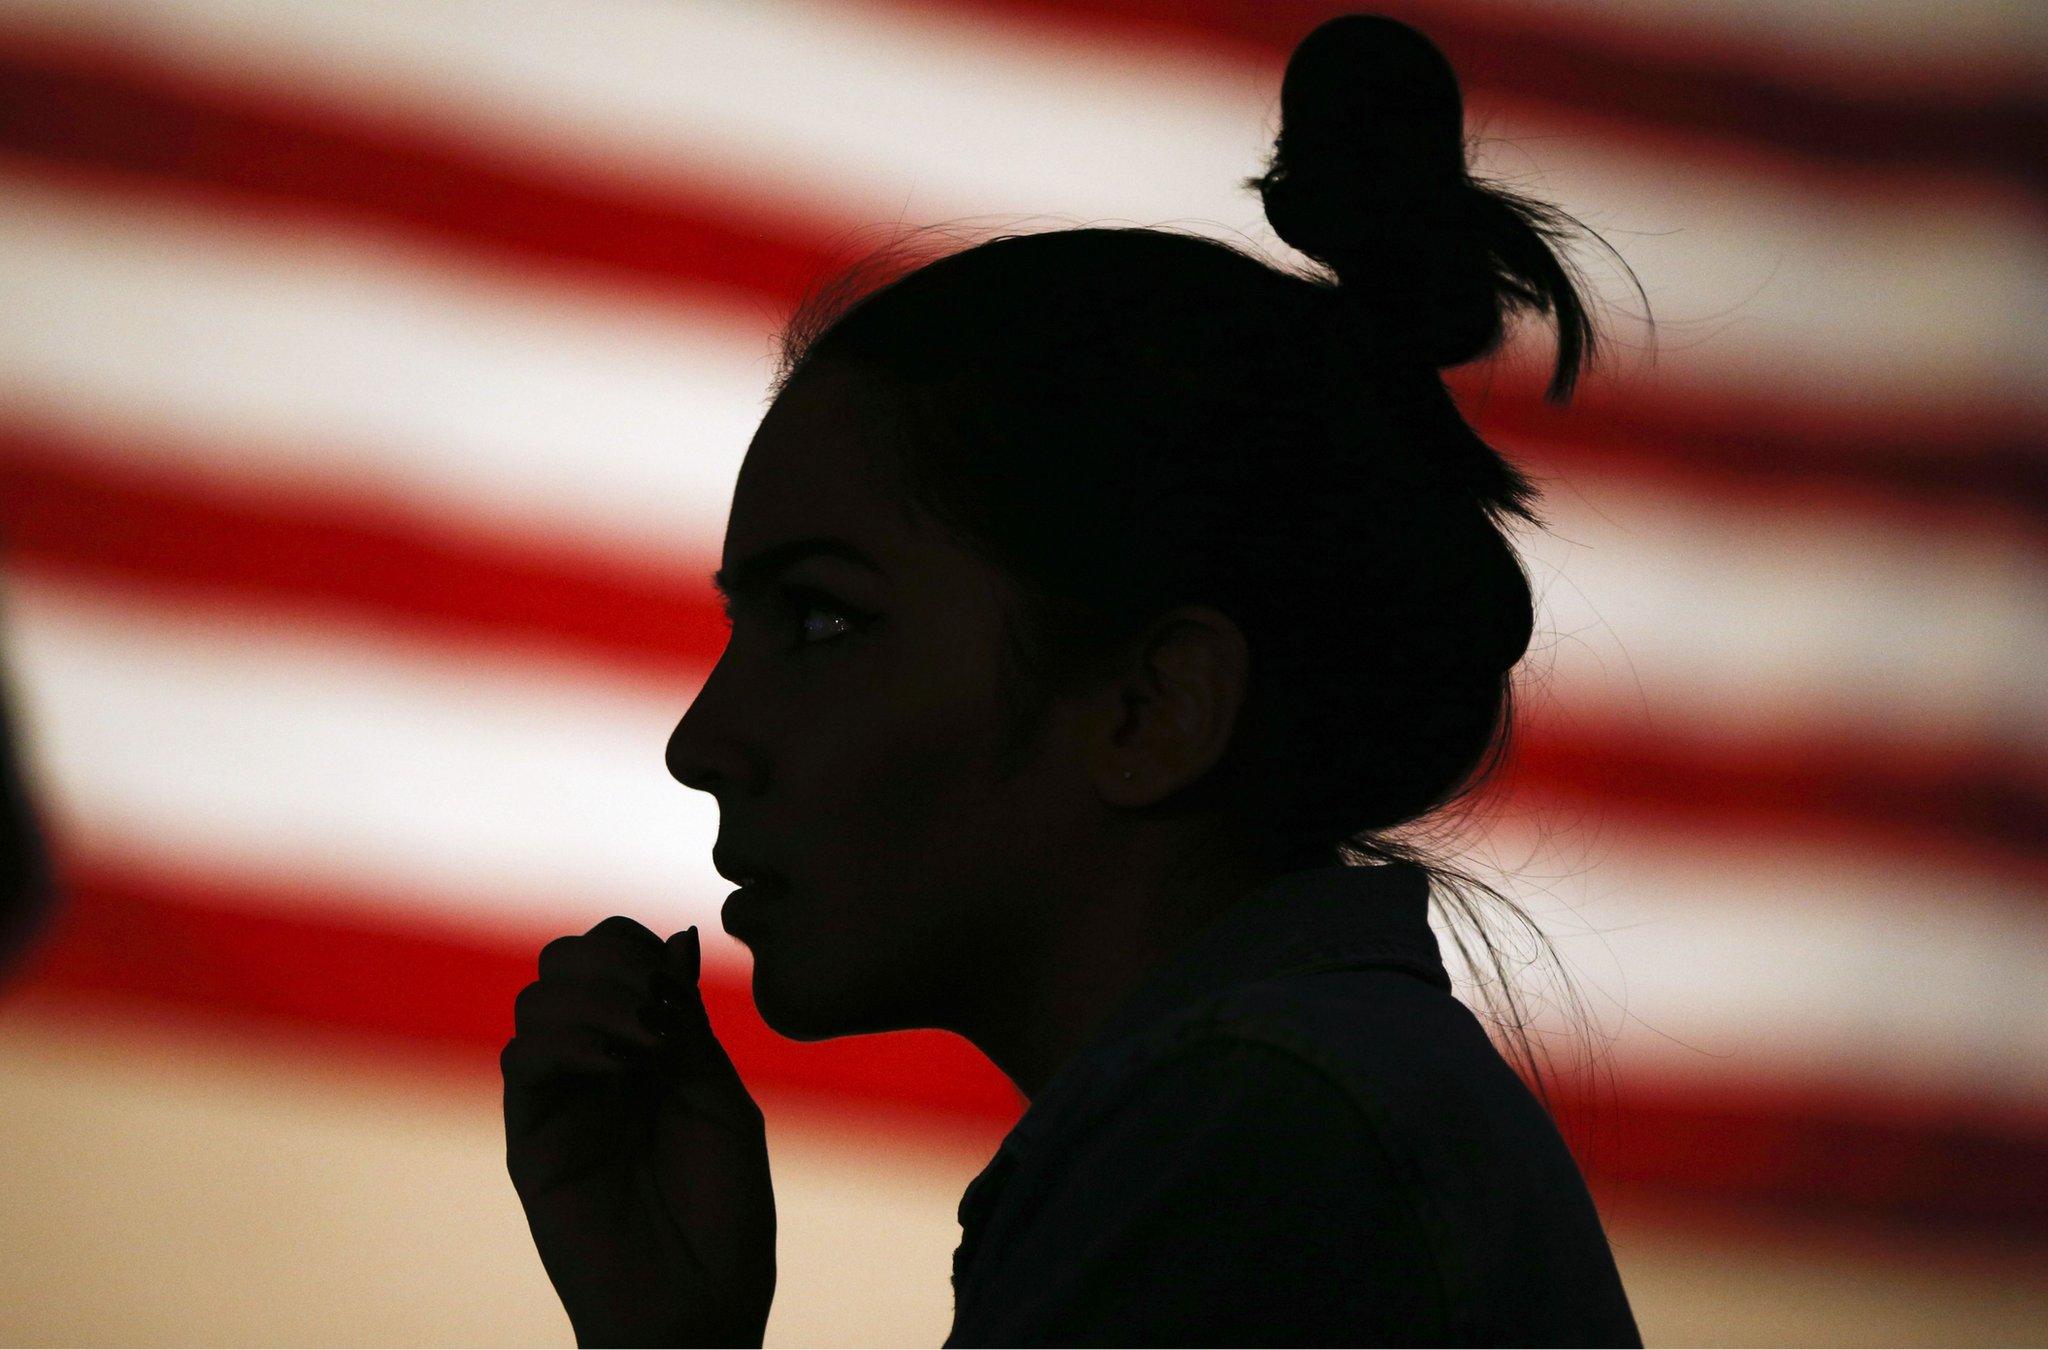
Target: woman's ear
{"x": 1182, "y": 695}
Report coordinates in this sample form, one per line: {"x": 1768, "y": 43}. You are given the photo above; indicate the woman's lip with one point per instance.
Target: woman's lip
{"x": 740, "y": 910}
{"x": 758, "y": 889}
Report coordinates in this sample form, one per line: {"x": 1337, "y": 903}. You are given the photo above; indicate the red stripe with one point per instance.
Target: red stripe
{"x": 293, "y": 958}
{"x": 1905, "y": 1161}
{"x": 119, "y": 112}
{"x": 155, "y": 530}
{"x": 322, "y": 971}
{"x": 1979, "y": 806}
{"x": 114, "y": 121}
{"x": 345, "y": 555}
{"x": 1682, "y": 83}
{"x": 1972, "y": 466}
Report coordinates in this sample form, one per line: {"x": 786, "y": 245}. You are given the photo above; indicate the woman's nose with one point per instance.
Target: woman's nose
{"x": 683, "y": 765}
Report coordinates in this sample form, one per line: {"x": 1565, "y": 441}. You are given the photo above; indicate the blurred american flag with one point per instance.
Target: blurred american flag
{"x": 375, "y": 376}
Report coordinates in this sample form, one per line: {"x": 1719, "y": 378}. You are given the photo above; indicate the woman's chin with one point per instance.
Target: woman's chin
{"x": 800, "y": 1007}
{"x": 797, "y": 1014}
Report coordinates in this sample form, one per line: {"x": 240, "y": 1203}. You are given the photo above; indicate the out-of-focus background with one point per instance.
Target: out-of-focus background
{"x": 373, "y": 379}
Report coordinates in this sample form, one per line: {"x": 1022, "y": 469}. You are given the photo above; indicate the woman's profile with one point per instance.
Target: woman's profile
{"x": 1103, "y": 602}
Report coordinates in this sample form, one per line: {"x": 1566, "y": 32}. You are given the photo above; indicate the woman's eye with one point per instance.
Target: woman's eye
{"x": 797, "y": 604}
{"x": 808, "y": 610}
{"x": 803, "y": 604}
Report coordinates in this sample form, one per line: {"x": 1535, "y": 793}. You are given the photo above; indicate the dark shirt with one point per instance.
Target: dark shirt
{"x": 1289, "y": 1133}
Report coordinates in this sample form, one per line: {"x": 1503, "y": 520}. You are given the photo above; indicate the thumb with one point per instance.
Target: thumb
{"x": 702, "y": 1076}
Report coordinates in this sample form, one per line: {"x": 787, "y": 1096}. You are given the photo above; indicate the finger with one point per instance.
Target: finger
{"x": 628, "y": 933}
{"x": 697, "y": 1058}
{"x": 610, "y": 1008}
{"x": 695, "y": 954}
{"x": 543, "y": 1074}
{"x": 538, "y": 1068}
{"x": 532, "y": 1058}
{"x": 600, "y": 951}
{"x": 623, "y": 987}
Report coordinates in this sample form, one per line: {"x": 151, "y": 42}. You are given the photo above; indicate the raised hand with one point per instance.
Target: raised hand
{"x": 638, "y": 1154}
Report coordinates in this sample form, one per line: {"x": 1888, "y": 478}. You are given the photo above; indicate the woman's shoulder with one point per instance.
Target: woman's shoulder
{"x": 1476, "y": 1155}
{"x": 1384, "y": 1035}
{"x": 1353, "y": 1112}
{"x": 1218, "y": 1191}
{"x": 1370, "y": 1036}
{"x": 1415, "y": 1061}
{"x": 1365, "y": 1057}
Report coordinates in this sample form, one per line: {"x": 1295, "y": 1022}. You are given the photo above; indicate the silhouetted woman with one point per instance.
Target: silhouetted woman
{"x": 1101, "y": 600}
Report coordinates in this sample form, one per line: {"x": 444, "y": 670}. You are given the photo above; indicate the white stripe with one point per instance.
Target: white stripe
{"x": 507, "y": 794}
{"x": 320, "y": 369}
{"x": 207, "y": 737}
{"x": 1725, "y": 961}
{"x": 322, "y": 363}
{"x": 1902, "y": 289}
{"x": 1773, "y": 625}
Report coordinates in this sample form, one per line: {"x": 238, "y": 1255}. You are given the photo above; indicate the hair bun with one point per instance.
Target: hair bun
{"x": 1368, "y": 177}
{"x": 1367, "y": 103}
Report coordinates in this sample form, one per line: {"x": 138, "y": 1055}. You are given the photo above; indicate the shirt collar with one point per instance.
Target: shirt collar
{"x": 1322, "y": 918}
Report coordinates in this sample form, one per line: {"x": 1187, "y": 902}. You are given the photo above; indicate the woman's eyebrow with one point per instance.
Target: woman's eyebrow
{"x": 750, "y": 574}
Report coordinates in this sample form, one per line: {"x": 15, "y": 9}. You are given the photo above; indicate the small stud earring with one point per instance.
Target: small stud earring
{"x": 1127, "y": 773}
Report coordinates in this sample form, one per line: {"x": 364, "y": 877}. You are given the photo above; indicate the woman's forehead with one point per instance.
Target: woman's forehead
{"x": 829, "y": 453}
